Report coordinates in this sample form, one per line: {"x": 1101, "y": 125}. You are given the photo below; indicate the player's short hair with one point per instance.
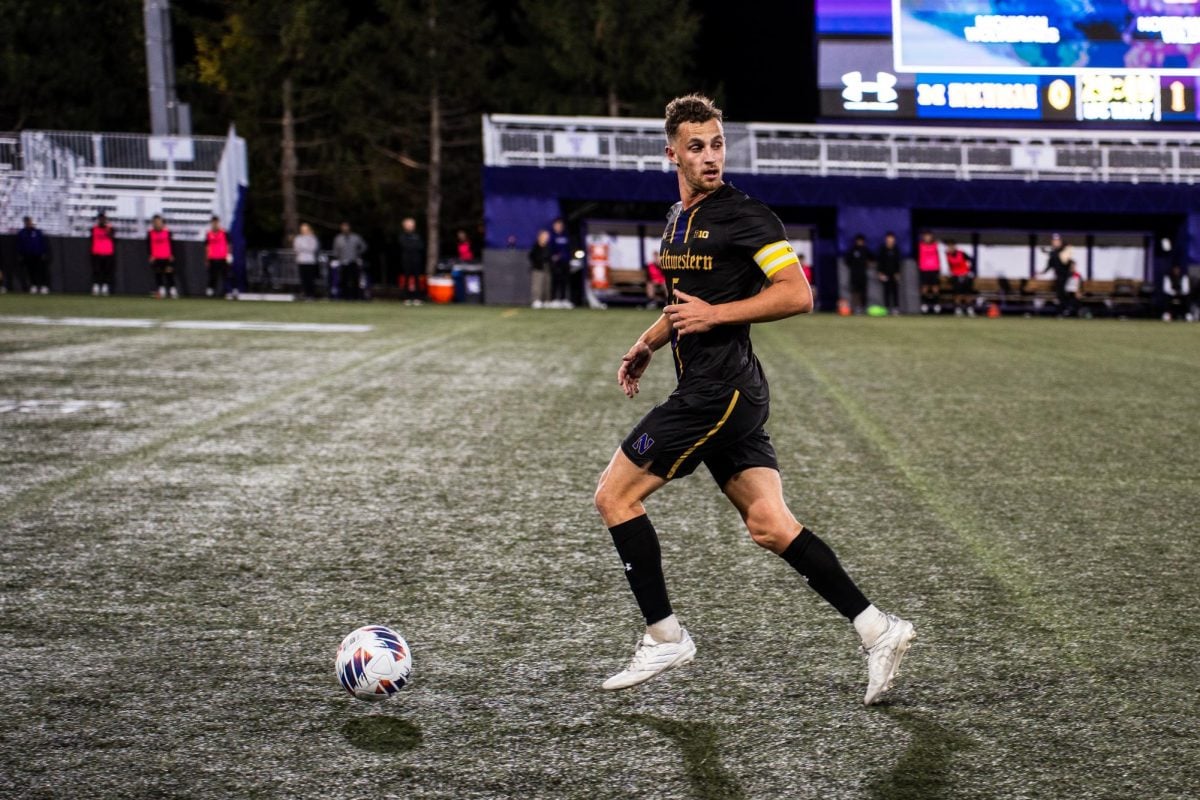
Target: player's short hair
{"x": 689, "y": 108}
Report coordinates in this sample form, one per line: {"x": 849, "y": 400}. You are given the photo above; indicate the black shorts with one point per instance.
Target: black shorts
{"x": 716, "y": 426}
{"x": 963, "y": 284}
{"x": 930, "y": 278}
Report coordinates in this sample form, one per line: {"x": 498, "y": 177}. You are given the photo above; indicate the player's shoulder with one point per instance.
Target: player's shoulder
{"x": 733, "y": 202}
{"x": 675, "y": 211}
{"x": 745, "y": 220}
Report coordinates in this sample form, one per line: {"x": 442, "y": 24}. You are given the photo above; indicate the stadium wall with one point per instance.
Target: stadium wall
{"x": 71, "y": 266}
{"x": 519, "y": 200}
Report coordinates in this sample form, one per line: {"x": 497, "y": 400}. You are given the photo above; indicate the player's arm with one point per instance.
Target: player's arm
{"x": 787, "y": 295}
{"x": 634, "y": 363}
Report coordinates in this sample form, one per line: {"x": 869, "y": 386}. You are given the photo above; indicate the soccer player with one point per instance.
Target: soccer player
{"x": 103, "y": 250}
{"x": 728, "y": 264}
{"x": 963, "y": 274}
{"x": 161, "y": 250}
{"x": 218, "y": 255}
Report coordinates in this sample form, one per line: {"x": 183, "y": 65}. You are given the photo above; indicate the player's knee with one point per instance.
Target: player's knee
{"x": 771, "y": 532}
{"x": 615, "y": 506}
{"x": 607, "y": 501}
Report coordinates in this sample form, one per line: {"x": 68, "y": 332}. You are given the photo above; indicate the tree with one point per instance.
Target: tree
{"x": 419, "y": 106}
{"x": 608, "y": 57}
{"x": 269, "y": 62}
{"x": 69, "y": 64}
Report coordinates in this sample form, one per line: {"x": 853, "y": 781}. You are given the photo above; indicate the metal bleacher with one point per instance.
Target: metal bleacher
{"x": 1010, "y": 154}
{"x": 62, "y": 178}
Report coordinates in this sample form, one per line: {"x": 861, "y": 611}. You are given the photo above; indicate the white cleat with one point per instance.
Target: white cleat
{"x": 884, "y": 657}
{"x": 652, "y": 658}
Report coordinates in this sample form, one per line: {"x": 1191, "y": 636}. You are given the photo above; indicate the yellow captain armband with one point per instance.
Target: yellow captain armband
{"x": 775, "y": 256}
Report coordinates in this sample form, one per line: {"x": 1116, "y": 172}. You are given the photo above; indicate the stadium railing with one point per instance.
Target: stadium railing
{"x": 62, "y": 178}
{"x": 512, "y": 140}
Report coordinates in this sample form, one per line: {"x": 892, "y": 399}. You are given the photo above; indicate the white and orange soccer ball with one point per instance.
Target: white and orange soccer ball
{"x": 373, "y": 663}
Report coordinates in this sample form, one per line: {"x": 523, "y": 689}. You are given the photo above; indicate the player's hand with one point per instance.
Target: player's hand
{"x": 690, "y": 314}
{"x": 633, "y": 364}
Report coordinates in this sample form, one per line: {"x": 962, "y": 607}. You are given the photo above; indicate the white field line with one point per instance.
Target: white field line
{"x": 57, "y": 406}
{"x": 188, "y": 324}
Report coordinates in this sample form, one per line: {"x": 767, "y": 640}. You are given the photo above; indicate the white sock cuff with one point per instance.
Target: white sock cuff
{"x": 666, "y": 630}
{"x": 870, "y": 624}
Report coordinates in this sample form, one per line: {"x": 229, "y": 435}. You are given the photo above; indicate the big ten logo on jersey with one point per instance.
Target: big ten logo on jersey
{"x": 700, "y": 234}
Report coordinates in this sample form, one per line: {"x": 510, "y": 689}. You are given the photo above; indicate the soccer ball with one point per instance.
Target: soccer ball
{"x": 373, "y": 663}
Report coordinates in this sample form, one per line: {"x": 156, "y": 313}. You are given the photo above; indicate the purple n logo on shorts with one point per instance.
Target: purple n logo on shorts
{"x": 643, "y": 444}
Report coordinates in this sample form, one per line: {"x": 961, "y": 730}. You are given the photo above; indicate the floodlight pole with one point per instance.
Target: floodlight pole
{"x": 168, "y": 117}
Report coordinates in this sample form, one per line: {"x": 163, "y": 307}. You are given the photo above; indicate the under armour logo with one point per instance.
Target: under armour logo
{"x": 628, "y": 567}
{"x": 883, "y": 87}
{"x": 643, "y": 444}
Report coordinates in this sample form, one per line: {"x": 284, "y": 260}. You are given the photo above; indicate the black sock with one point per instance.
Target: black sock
{"x": 814, "y": 560}
{"x": 637, "y": 544}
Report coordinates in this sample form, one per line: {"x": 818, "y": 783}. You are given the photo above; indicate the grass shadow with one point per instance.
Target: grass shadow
{"x": 923, "y": 771}
{"x": 382, "y": 734}
{"x": 698, "y": 743}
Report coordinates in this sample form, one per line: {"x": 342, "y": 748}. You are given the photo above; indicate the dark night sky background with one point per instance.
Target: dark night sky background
{"x": 764, "y": 53}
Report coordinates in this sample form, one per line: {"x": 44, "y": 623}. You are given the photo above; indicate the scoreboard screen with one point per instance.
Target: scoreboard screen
{"x": 1107, "y": 62}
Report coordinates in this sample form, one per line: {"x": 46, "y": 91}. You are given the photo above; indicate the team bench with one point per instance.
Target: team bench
{"x": 625, "y": 287}
{"x": 1121, "y": 297}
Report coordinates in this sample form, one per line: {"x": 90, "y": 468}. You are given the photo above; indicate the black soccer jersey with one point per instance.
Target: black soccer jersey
{"x": 720, "y": 250}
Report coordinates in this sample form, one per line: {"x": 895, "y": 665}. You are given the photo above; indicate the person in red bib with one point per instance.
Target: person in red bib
{"x": 929, "y": 273}
{"x": 162, "y": 257}
{"x": 219, "y": 256}
{"x": 103, "y": 254}
{"x": 963, "y": 275}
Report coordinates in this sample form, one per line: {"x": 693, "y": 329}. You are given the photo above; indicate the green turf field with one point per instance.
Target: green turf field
{"x": 191, "y": 520}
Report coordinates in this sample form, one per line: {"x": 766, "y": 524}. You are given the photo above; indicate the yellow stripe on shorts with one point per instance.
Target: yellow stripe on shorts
{"x": 733, "y": 402}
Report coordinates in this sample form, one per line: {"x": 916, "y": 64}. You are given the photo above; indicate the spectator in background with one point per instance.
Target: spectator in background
{"x": 463, "y": 249}
{"x": 103, "y": 254}
{"x": 1059, "y": 262}
{"x": 412, "y": 262}
{"x": 858, "y": 259}
{"x": 218, "y": 255}
{"x": 305, "y": 246}
{"x": 348, "y": 250}
{"x": 1074, "y": 286}
{"x": 560, "y": 265}
{"x": 887, "y": 265}
{"x": 34, "y": 251}
{"x": 656, "y": 285}
{"x": 963, "y": 276}
{"x": 161, "y": 251}
{"x": 539, "y": 270}
{"x": 1177, "y": 293}
{"x": 929, "y": 273}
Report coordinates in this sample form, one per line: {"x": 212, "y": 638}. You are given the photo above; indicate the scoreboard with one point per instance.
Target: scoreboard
{"x": 1105, "y": 62}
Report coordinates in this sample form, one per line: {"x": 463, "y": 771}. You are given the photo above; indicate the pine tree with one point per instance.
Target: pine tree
{"x": 608, "y": 57}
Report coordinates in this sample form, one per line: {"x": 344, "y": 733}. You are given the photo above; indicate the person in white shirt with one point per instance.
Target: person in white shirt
{"x": 306, "y": 247}
{"x": 1177, "y": 292}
